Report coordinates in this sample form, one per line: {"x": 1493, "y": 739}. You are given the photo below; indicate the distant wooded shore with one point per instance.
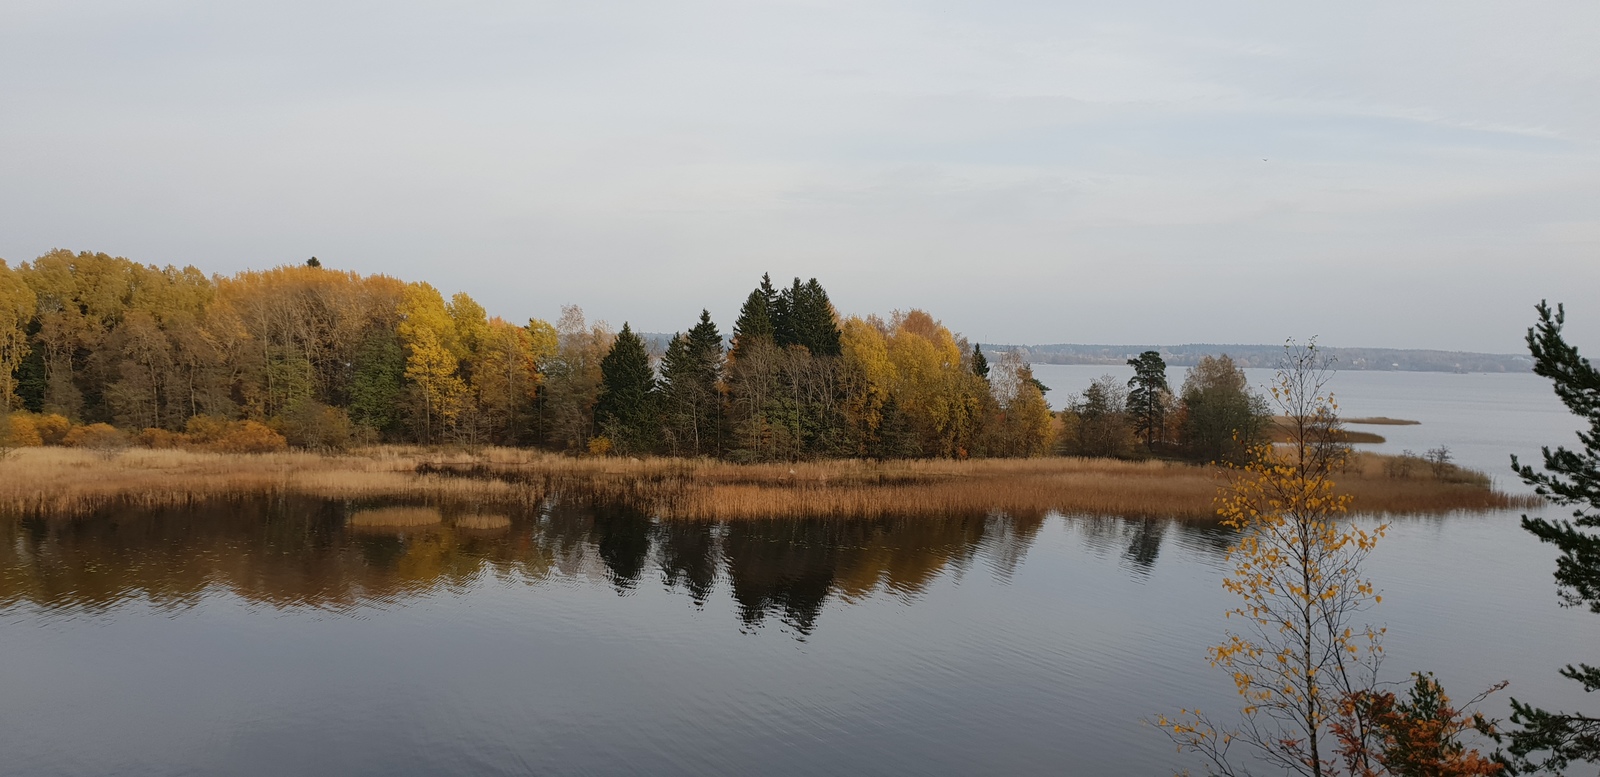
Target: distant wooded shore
{"x": 1266, "y": 356}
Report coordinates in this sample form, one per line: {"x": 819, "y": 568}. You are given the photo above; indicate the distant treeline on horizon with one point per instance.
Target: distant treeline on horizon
{"x": 1267, "y": 356}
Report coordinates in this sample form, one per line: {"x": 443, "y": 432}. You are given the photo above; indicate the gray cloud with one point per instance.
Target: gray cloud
{"x": 1028, "y": 171}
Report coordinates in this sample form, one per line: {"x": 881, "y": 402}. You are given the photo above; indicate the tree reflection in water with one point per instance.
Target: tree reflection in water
{"x": 305, "y": 553}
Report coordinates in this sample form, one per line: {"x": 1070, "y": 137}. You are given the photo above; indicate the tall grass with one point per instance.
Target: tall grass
{"x": 66, "y": 481}
{"x": 56, "y": 481}
{"x": 715, "y": 490}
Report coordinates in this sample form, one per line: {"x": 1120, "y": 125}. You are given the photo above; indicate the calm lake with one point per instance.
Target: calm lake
{"x": 272, "y": 638}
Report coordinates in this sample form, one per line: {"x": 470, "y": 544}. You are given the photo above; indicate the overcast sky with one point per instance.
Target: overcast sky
{"x": 1379, "y": 174}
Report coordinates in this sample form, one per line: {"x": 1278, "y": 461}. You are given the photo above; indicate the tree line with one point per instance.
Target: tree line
{"x": 95, "y": 347}
{"x": 99, "y": 348}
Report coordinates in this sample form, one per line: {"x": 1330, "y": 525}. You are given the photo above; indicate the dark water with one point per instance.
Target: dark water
{"x": 271, "y": 639}
{"x": 274, "y": 638}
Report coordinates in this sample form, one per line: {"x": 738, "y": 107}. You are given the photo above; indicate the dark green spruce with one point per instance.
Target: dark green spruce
{"x": 755, "y": 317}
{"x": 626, "y": 411}
{"x": 691, "y": 403}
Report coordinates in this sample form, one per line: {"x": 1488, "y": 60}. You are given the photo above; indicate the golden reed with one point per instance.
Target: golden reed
{"x": 64, "y": 482}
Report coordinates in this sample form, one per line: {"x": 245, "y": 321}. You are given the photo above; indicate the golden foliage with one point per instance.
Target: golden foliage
{"x": 434, "y": 352}
{"x": 95, "y": 436}
{"x": 19, "y": 430}
{"x": 1295, "y": 651}
{"x": 17, "y": 304}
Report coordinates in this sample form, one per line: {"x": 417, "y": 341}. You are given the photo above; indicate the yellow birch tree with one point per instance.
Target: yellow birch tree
{"x": 867, "y": 373}
{"x": 1296, "y": 652}
{"x": 428, "y": 331}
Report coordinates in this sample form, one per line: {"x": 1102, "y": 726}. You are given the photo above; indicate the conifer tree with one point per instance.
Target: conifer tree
{"x": 896, "y": 438}
{"x": 755, "y": 317}
{"x": 626, "y": 410}
{"x": 1572, "y": 479}
{"x": 785, "y": 321}
{"x": 690, "y": 372}
{"x": 1148, "y": 397}
{"x": 980, "y": 363}
{"x": 813, "y": 321}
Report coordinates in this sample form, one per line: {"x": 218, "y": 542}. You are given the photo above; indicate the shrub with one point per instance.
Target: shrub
{"x": 20, "y": 431}
{"x": 52, "y": 427}
{"x": 1441, "y": 461}
{"x": 206, "y": 429}
{"x": 104, "y": 437}
{"x": 160, "y": 438}
{"x": 309, "y": 424}
{"x": 1400, "y": 467}
{"x": 249, "y": 437}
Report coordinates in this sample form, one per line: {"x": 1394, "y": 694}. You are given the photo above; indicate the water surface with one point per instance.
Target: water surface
{"x": 274, "y": 637}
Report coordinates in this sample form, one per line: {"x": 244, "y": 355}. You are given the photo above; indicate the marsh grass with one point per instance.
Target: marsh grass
{"x": 65, "y": 481}
{"x": 715, "y": 490}
{"x": 478, "y": 487}
{"x": 1381, "y": 421}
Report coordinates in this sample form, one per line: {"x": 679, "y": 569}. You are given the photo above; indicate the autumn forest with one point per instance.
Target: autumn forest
{"x": 98, "y": 350}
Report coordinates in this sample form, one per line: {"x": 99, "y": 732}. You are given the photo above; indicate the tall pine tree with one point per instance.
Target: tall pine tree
{"x": 1552, "y": 740}
{"x": 626, "y": 411}
{"x": 1148, "y": 397}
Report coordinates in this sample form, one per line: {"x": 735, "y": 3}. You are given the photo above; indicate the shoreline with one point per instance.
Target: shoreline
{"x": 63, "y": 483}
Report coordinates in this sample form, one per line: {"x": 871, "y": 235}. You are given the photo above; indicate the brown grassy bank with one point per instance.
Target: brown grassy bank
{"x": 56, "y": 481}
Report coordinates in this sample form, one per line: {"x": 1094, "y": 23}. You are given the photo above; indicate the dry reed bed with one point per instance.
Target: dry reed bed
{"x": 1279, "y": 430}
{"x": 715, "y": 490}
{"x": 65, "y": 481}
{"x": 57, "y": 481}
{"x": 1382, "y": 420}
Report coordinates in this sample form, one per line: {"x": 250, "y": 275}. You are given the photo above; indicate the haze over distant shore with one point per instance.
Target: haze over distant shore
{"x": 1396, "y": 359}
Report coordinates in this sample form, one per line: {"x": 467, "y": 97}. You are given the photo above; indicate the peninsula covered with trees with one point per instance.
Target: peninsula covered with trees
{"x": 104, "y": 354}
{"x": 99, "y": 348}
